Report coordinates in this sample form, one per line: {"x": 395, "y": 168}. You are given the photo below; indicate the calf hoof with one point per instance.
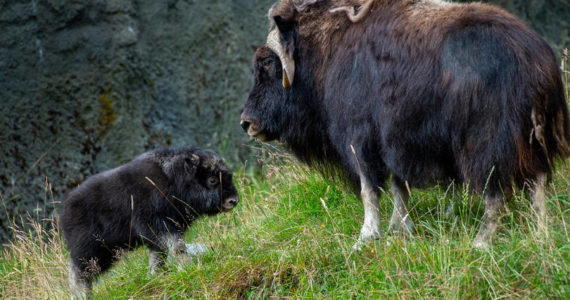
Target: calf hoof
{"x": 79, "y": 288}
{"x": 196, "y": 249}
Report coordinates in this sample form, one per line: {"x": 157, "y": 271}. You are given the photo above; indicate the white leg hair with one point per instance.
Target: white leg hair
{"x": 371, "y": 227}
{"x": 491, "y": 219}
{"x": 181, "y": 252}
{"x": 176, "y": 249}
{"x": 196, "y": 249}
{"x": 155, "y": 261}
{"x": 539, "y": 200}
{"x": 400, "y": 221}
{"x": 78, "y": 287}
{"x": 175, "y": 245}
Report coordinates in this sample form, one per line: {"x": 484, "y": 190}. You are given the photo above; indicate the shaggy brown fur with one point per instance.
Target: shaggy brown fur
{"x": 421, "y": 89}
{"x": 419, "y": 28}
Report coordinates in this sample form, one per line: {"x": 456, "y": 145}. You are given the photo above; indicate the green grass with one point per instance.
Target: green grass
{"x": 291, "y": 236}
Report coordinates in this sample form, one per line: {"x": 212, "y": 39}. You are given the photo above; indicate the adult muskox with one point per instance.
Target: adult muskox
{"x": 151, "y": 200}
{"x": 420, "y": 89}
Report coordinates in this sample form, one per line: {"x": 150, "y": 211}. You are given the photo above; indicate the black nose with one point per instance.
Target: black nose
{"x": 244, "y": 125}
{"x": 233, "y": 201}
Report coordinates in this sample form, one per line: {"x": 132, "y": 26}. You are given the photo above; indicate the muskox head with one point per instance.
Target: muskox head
{"x": 288, "y": 72}
{"x": 267, "y": 106}
{"x": 262, "y": 116}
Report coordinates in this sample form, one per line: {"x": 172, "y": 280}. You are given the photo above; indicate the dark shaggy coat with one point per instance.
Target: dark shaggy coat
{"x": 147, "y": 201}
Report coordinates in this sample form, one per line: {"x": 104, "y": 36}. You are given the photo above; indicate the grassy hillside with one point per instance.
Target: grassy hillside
{"x": 292, "y": 234}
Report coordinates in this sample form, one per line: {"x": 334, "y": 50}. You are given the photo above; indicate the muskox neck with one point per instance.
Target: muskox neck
{"x": 306, "y": 135}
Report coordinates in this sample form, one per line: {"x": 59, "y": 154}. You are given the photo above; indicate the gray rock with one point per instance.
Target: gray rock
{"x": 87, "y": 85}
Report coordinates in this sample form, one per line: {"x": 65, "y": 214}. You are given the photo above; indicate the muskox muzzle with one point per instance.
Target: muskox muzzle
{"x": 253, "y": 129}
{"x": 244, "y": 124}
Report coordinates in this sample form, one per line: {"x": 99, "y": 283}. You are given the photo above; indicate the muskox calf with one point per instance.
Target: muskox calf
{"x": 419, "y": 90}
{"x": 151, "y": 200}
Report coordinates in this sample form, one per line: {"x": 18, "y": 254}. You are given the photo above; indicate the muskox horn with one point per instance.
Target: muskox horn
{"x": 351, "y": 12}
{"x": 274, "y": 43}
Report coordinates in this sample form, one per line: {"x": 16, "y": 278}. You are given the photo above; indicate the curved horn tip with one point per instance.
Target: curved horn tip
{"x": 286, "y": 83}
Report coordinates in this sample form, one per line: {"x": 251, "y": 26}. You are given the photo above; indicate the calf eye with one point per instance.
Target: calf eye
{"x": 212, "y": 181}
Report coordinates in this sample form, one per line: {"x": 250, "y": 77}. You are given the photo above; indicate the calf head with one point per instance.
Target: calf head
{"x": 204, "y": 182}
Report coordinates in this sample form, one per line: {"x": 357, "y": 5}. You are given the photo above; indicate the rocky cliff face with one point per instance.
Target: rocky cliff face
{"x": 87, "y": 85}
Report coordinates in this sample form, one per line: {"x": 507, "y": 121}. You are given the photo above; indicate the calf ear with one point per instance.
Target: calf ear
{"x": 195, "y": 159}
{"x": 191, "y": 165}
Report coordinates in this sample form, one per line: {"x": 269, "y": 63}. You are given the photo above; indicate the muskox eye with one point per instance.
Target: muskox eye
{"x": 267, "y": 64}
{"x": 212, "y": 181}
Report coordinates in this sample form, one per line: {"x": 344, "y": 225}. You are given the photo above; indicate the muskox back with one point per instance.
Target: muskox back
{"x": 452, "y": 91}
{"x": 507, "y": 108}
{"x": 420, "y": 90}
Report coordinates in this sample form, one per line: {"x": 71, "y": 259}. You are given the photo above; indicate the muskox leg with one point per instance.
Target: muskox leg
{"x": 493, "y": 211}
{"x": 371, "y": 227}
{"x": 539, "y": 201}
{"x": 400, "y": 221}
{"x": 79, "y": 285}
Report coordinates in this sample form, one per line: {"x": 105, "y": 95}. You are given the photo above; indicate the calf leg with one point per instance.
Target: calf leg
{"x": 174, "y": 245}
{"x": 539, "y": 200}
{"x": 177, "y": 249}
{"x": 156, "y": 261}
{"x": 493, "y": 210}
{"x": 400, "y": 221}
{"x": 87, "y": 262}
{"x": 371, "y": 228}
{"x": 79, "y": 284}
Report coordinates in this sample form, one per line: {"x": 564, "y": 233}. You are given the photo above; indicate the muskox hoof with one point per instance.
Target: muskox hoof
{"x": 481, "y": 244}
{"x": 449, "y": 212}
{"x": 358, "y": 245}
{"x": 366, "y": 235}
{"x": 405, "y": 228}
